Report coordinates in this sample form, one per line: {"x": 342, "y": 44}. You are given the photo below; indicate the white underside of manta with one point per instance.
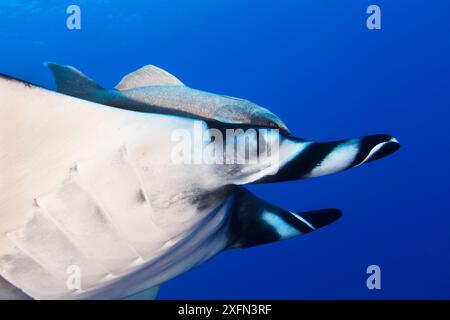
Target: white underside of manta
{"x": 95, "y": 187}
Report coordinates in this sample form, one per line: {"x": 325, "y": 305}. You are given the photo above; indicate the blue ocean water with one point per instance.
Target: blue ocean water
{"x": 316, "y": 65}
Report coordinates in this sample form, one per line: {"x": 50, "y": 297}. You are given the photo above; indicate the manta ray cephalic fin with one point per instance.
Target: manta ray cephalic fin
{"x": 255, "y": 221}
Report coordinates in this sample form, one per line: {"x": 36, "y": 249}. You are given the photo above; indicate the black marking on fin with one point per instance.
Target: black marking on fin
{"x": 306, "y": 160}
{"x": 387, "y": 149}
{"x": 321, "y": 218}
{"x": 246, "y": 227}
{"x": 293, "y": 221}
{"x": 369, "y": 142}
{"x": 303, "y": 163}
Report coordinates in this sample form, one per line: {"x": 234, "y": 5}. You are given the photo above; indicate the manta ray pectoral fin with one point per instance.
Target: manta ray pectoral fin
{"x": 74, "y": 83}
{"x": 148, "y": 76}
{"x": 255, "y": 221}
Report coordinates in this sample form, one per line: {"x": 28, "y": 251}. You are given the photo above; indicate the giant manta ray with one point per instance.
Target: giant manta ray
{"x": 89, "y": 181}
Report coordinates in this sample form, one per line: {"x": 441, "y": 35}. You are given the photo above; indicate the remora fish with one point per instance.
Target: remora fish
{"x": 93, "y": 192}
{"x": 151, "y": 89}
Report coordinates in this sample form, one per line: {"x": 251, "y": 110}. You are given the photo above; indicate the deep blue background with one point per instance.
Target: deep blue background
{"x": 316, "y": 65}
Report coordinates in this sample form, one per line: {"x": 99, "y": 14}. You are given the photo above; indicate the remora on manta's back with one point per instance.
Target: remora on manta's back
{"x": 152, "y": 89}
{"x": 89, "y": 187}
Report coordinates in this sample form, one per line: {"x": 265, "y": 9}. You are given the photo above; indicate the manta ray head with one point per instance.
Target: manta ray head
{"x": 254, "y": 221}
